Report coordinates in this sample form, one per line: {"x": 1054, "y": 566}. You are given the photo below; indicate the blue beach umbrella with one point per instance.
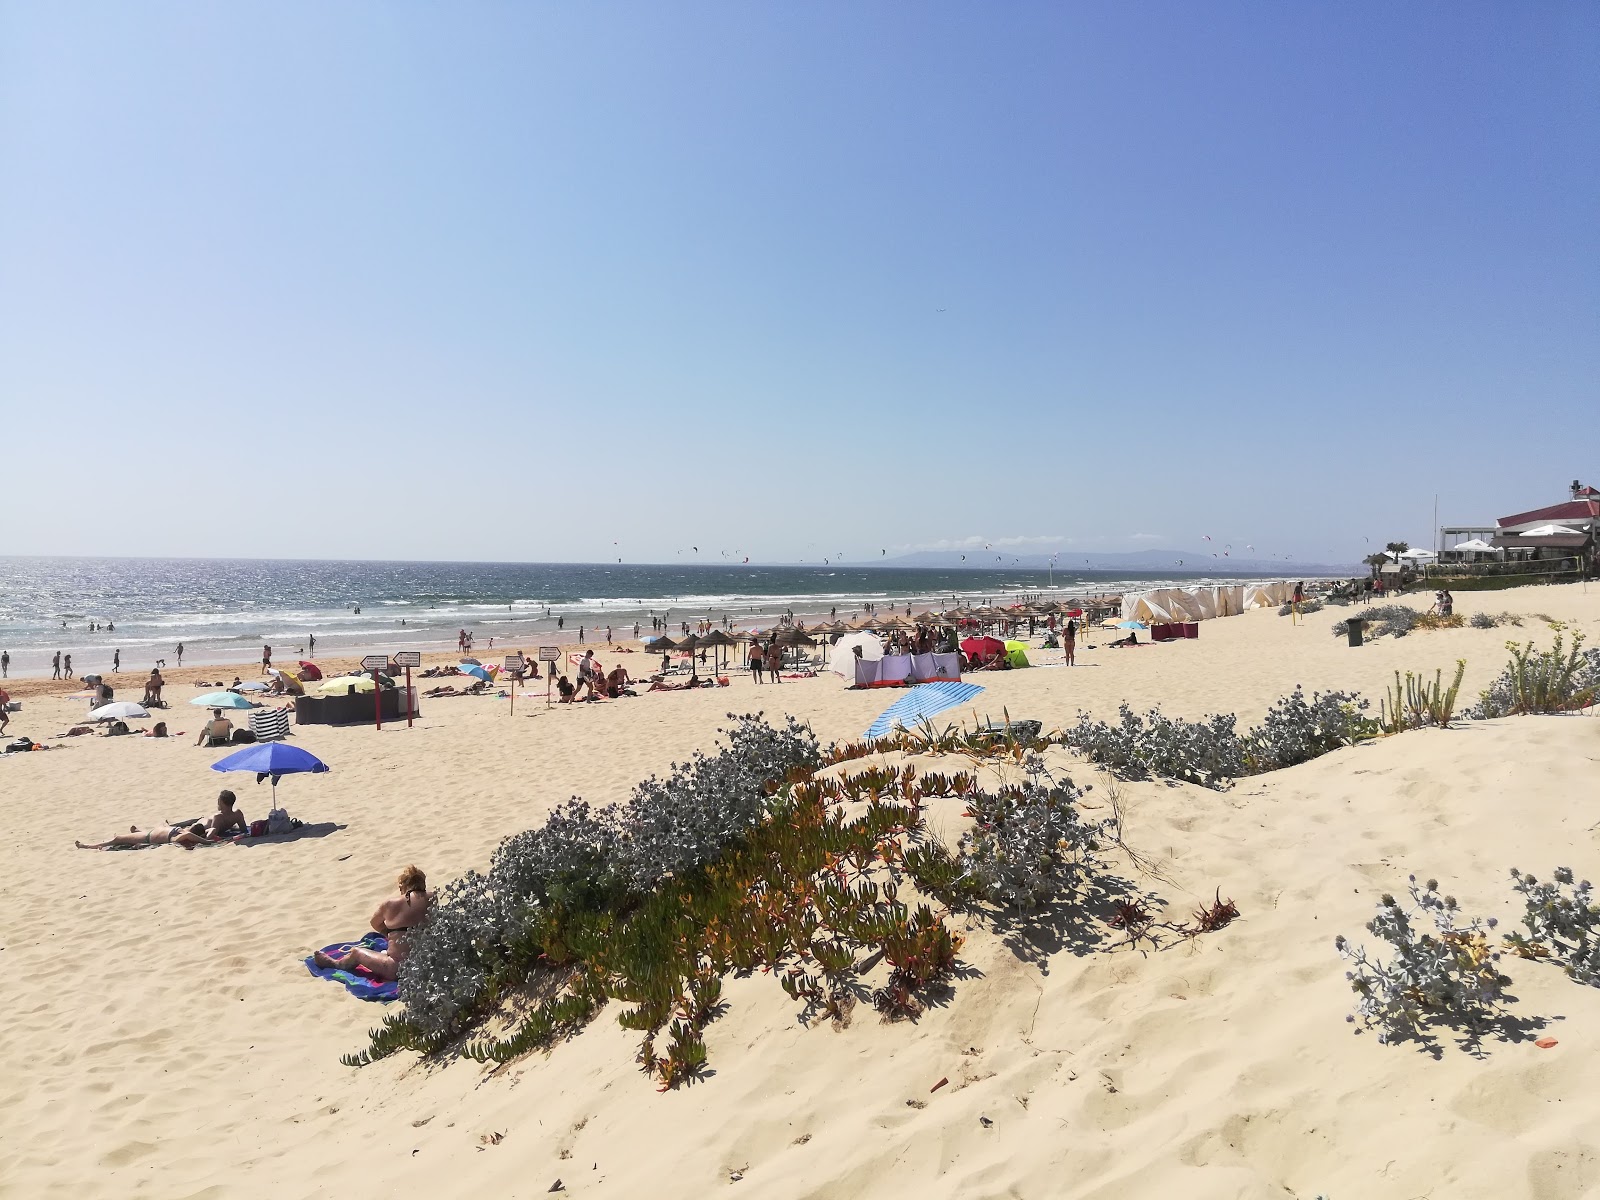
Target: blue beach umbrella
{"x": 272, "y": 759}
{"x": 1130, "y": 625}
{"x": 476, "y": 672}
{"x": 924, "y": 700}
{"x": 221, "y": 700}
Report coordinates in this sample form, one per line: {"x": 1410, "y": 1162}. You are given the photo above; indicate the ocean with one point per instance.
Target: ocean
{"x": 225, "y": 610}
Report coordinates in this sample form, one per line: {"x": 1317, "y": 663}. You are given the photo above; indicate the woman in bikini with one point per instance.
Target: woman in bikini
{"x": 187, "y": 836}
{"x": 394, "y": 919}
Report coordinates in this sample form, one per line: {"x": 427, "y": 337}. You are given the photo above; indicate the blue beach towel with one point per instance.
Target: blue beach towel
{"x": 924, "y": 700}
{"x": 358, "y": 982}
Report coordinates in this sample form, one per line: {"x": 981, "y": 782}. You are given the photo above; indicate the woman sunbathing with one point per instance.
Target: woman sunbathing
{"x": 187, "y": 836}
{"x": 393, "y": 920}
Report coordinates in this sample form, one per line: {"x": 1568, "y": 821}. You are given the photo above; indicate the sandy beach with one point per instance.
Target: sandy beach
{"x": 163, "y": 1039}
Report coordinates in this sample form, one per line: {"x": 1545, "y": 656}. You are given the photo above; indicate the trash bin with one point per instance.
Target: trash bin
{"x": 1357, "y": 626}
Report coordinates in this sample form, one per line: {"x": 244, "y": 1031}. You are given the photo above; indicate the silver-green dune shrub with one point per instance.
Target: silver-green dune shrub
{"x": 1392, "y": 620}
{"x": 1208, "y": 752}
{"x": 586, "y": 860}
{"x": 1296, "y": 730}
{"x": 1031, "y": 843}
{"x": 1448, "y": 975}
{"x": 1563, "y": 923}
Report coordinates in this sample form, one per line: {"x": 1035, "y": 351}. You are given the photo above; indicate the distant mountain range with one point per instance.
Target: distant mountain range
{"x": 1166, "y": 562}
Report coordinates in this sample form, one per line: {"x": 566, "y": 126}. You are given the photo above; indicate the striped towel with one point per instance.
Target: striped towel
{"x": 924, "y": 700}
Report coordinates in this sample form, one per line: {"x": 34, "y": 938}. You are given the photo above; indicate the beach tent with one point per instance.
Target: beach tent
{"x": 982, "y": 649}
{"x": 842, "y": 659}
{"x": 1017, "y": 653}
{"x": 920, "y": 702}
{"x": 290, "y": 682}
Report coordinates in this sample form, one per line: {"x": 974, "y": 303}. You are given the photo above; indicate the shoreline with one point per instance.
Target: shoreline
{"x": 92, "y": 652}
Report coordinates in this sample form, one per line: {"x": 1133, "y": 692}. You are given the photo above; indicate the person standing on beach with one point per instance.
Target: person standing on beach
{"x": 66, "y": 667}
{"x": 312, "y": 643}
{"x": 5, "y": 663}
{"x": 179, "y": 653}
{"x": 266, "y": 659}
{"x": 561, "y": 622}
{"x": 116, "y": 662}
{"x": 1069, "y": 642}
{"x": 580, "y": 635}
{"x": 5, "y": 717}
{"x": 55, "y": 666}
{"x": 608, "y": 635}
{"x": 755, "y": 661}
{"x": 775, "y": 661}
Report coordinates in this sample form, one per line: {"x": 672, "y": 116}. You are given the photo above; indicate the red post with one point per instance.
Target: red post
{"x": 377, "y": 701}
{"x": 411, "y": 698}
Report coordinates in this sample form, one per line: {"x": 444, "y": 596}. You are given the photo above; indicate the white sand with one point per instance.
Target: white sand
{"x": 160, "y": 1037}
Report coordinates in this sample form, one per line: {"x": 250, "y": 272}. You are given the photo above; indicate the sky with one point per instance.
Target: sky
{"x": 567, "y": 282}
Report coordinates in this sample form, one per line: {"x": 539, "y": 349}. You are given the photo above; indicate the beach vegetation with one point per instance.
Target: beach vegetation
{"x": 1560, "y": 679}
{"x": 823, "y": 883}
{"x": 1563, "y": 923}
{"x": 1212, "y": 752}
{"x": 1414, "y": 703}
{"x": 1446, "y": 975}
{"x": 1307, "y": 607}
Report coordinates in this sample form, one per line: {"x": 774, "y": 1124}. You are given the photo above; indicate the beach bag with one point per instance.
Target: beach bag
{"x": 278, "y": 821}
{"x": 258, "y": 829}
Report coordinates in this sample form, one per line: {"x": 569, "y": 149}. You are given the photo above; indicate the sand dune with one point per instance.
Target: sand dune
{"x": 162, "y": 1039}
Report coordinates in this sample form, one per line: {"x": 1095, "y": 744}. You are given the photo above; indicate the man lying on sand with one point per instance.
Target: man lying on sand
{"x": 394, "y": 919}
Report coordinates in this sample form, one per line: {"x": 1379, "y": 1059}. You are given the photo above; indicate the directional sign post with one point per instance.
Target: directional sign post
{"x": 409, "y": 659}
{"x": 376, "y": 663}
{"x": 514, "y": 670}
{"x": 549, "y": 654}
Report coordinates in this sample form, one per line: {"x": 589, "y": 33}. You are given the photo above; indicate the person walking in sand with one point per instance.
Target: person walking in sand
{"x": 5, "y": 663}
{"x": 66, "y": 666}
{"x": 394, "y": 919}
{"x": 266, "y": 659}
{"x": 116, "y": 662}
{"x": 55, "y": 666}
{"x": 179, "y": 653}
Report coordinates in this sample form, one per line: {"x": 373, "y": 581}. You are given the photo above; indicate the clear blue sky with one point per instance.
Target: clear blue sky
{"x": 868, "y": 275}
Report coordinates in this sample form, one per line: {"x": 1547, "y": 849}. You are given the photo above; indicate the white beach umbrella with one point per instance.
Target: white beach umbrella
{"x": 1477, "y": 545}
{"x": 1550, "y": 531}
{"x": 122, "y": 710}
{"x": 842, "y": 659}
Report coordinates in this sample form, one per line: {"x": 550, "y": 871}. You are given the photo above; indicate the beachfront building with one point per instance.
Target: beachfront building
{"x": 1556, "y": 531}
